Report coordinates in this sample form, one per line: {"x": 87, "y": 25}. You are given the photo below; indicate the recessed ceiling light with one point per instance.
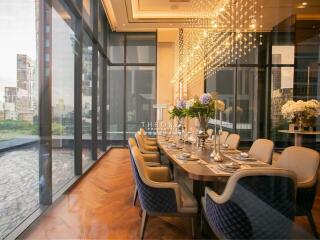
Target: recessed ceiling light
{"x": 123, "y": 24}
{"x": 304, "y": 4}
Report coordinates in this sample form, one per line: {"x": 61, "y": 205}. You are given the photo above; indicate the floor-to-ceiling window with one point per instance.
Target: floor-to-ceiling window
{"x": 19, "y": 124}
{"x": 100, "y": 106}
{"x": 87, "y": 54}
{"x": 46, "y": 81}
{"x": 63, "y": 60}
{"x": 131, "y": 84}
{"x": 115, "y": 104}
{"x": 236, "y": 85}
{"x": 140, "y": 97}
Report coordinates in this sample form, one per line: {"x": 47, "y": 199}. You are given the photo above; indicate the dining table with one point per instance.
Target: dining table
{"x": 200, "y": 168}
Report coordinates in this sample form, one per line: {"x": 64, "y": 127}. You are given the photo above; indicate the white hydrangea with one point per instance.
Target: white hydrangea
{"x": 309, "y": 109}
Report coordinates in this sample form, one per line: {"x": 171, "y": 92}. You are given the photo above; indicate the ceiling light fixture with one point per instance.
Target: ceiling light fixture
{"x": 219, "y": 33}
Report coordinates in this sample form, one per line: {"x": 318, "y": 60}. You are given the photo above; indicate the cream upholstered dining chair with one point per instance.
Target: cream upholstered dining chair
{"x": 262, "y": 149}
{"x": 223, "y": 137}
{"x": 147, "y": 140}
{"x": 305, "y": 163}
{"x": 158, "y": 195}
{"x": 233, "y": 141}
{"x": 210, "y": 132}
{"x": 257, "y": 203}
{"x": 144, "y": 148}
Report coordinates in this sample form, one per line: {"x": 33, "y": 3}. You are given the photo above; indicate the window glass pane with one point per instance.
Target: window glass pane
{"x": 250, "y": 58}
{"x": 99, "y": 104}
{"x": 282, "y": 54}
{"x": 141, "y": 48}
{"x": 86, "y": 101}
{"x": 222, "y": 82}
{"x": 63, "y": 40}
{"x": 116, "y": 47}
{"x": 101, "y": 24}
{"x": 140, "y": 87}
{"x": 115, "y": 113}
{"x": 281, "y": 92}
{"x": 19, "y": 124}
{"x": 246, "y": 100}
{"x": 87, "y": 11}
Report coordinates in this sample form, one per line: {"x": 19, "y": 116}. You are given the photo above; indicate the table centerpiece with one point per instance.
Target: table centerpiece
{"x": 302, "y": 114}
{"x": 202, "y": 108}
{"x": 179, "y": 111}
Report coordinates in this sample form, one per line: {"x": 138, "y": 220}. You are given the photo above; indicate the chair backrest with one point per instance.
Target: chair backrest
{"x": 262, "y": 149}
{"x": 303, "y": 161}
{"x": 140, "y": 142}
{"x": 210, "y": 132}
{"x": 233, "y": 141}
{"x": 142, "y": 131}
{"x": 259, "y": 204}
{"x": 223, "y": 137}
{"x": 152, "y": 199}
{"x": 132, "y": 143}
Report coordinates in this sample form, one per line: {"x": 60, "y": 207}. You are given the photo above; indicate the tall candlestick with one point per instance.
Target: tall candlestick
{"x": 220, "y": 121}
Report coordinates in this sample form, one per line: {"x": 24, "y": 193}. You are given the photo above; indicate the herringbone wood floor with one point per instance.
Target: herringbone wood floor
{"x": 100, "y": 207}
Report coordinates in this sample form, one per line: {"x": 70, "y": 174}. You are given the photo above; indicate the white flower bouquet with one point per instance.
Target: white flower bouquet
{"x": 301, "y": 112}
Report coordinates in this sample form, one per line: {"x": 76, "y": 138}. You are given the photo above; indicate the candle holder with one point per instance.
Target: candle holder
{"x": 218, "y": 157}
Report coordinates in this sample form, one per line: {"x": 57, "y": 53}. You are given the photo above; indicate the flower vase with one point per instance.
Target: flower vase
{"x": 181, "y": 128}
{"x": 300, "y": 123}
{"x": 202, "y": 132}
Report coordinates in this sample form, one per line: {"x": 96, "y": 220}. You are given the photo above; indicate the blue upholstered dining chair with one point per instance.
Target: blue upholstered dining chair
{"x": 257, "y": 203}
{"x": 158, "y": 196}
{"x": 305, "y": 163}
{"x": 151, "y": 160}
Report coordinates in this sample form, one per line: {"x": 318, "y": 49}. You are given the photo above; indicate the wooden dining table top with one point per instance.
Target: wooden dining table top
{"x": 202, "y": 167}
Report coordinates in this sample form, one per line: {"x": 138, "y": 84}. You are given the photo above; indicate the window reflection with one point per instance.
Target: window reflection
{"x": 86, "y": 101}
{"x": 115, "y": 107}
{"x": 100, "y": 149}
{"x": 140, "y": 95}
{"x": 141, "y": 48}
{"x": 63, "y": 41}
{"x": 116, "y": 47}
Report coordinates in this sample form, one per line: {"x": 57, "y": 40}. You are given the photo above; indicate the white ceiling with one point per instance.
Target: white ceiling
{"x": 149, "y": 15}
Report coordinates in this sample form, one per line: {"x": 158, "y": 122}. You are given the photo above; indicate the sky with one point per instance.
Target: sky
{"x": 18, "y": 35}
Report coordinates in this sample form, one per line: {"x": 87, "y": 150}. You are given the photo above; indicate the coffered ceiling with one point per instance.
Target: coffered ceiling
{"x": 149, "y": 15}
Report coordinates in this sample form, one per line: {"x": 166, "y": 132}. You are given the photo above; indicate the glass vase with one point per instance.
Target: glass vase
{"x": 202, "y": 132}
{"x": 181, "y": 128}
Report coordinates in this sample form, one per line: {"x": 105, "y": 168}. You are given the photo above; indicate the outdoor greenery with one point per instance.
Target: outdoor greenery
{"x": 10, "y": 129}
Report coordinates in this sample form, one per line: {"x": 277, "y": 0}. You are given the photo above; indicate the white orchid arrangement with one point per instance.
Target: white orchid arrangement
{"x": 307, "y": 109}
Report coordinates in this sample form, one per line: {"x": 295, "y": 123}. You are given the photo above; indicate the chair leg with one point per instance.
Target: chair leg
{"x": 193, "y": 226}
{"x": 312, "y": 224}
{"x": 143, "y": 224}
{"x": 135, "y": 196}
